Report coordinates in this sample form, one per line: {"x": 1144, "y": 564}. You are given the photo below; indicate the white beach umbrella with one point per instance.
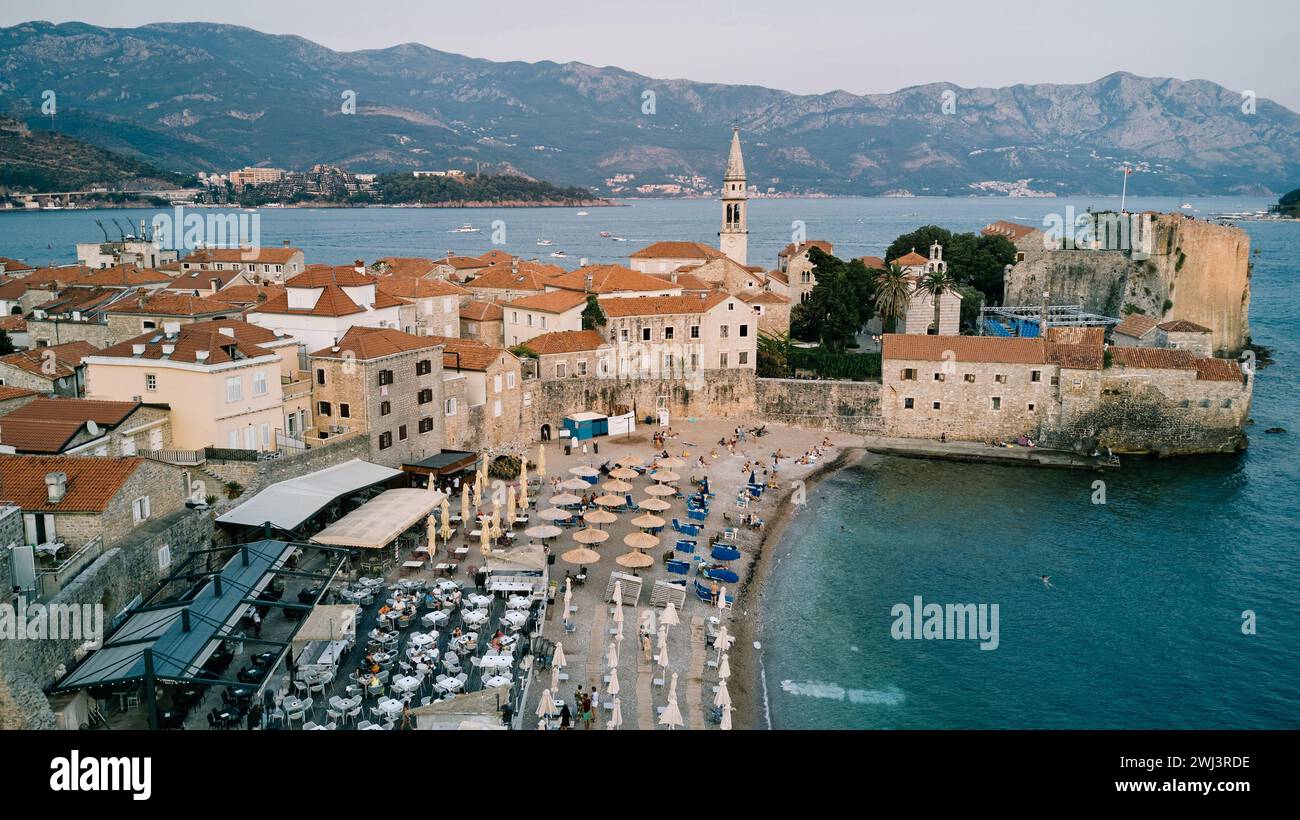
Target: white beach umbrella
{"x": 723, "y": 697}
{"x": 663, "y": 655}
{"x": 670, "y": 615}
{"x": 541, "y": 725}
{"x": 663, "y": 637}
{"x": 612, "y": 686}
{"x": 616, "y": 717}
{"x": 722, "y": 597}
{"x": 558, "y": 659}
{"x": 541, "y": 460}
{"x": 724, "y": 667}
{"x": 464, "y": 503}
{"x": 555, "y": 678}
{"x": 611, "y": 657}
{"x": 671, "y": 716}
{"x": 568, "y": 598}
{"x": 545, "y": 704}
{"x": 726, "y": 718}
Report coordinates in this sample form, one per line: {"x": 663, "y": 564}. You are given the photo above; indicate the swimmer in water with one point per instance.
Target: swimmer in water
{"x": 1047, "y": 581}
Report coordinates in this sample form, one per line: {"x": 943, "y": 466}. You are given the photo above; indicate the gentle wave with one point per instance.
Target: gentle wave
{"x": 889, "y": 696}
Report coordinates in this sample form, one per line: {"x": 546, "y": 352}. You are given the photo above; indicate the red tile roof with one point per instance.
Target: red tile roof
{"x": 872, "y": 262}
{"x": 46, "y": 425}
{"x": 677, "y": 250}
{"x": 168, "y": 303}
{"x": 473, "y": 355}
{"x": 8, "y": 392}
{"x": 763, "y": 297}
{"x": 67, "y": 358}
{"x": 981, "y": 349}
{"x": 609, "y": 279}
{"x": 411, "y": 288}
{"x": 1219, "y": 370}
{"x": 92, "y": 481}
{"x": 566, "y": 341}
{"x": 365, "y": 343}
{"x": 221, "y": 347}
{"x": 1011, "y": 230}
{"x": 1182, "y": 326}
{"x": 795, "y": 250}
{"x": 462, "y": 262}
{"x": 1135, "y": 325}
{"x": 261, "y": 256}
{"x": 319, "y": 277}
{"x": 910, "y": 259}
{"x": 662, "y": 305}
{"x": 125, "y": 276}
{"x": 507, "y": 276}
{"x": 556, "y": 301}
{"x": 477, "y": 310}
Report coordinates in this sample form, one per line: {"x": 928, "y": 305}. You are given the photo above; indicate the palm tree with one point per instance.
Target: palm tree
{"x": 937, "y": 283}
{"x": 893, "y": 292}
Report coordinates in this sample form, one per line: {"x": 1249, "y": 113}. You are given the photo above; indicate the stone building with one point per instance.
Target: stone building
{"x": 1181, "y": 334}
{"x": 681, "y": 334}
{"x": 666, "y": 257}
{"x": 483, "y": 321}
{"x": 74, "y": 314}
{"x": 52, "y": 426}
{"x": 273, "y": 265}
{"x": 572, "y": 354}
{"x": 733, "y": 238}
{"x": 75, "y": 500}
{"x": 919, "y": 317}
{"x": 57, "y": 370}
{"x": 612, "y": 280}
{"x": 794, "y": 263}
{"x": 459, "y": 268}
{"x": 484, "y": 395}
{"x": 772, "y": 310}
{"x": 430, "y": 307}
{"x": 542, "y": 313}
{"x": 142, "y": 313}
{"x": 12, "y": 398}
{"x": 387, "y": 384}
{"x": 1136, "y": 330}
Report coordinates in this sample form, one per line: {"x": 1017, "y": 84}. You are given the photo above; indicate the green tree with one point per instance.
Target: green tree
{"x": 830, "y": 315}
{"x": 972, "y": 301}
{"x": 893, "y": 292}
{"x": 937, "y": 283}
{"x": 773, "y": 355}
{"x": 973, "y": 259}
{"x": 593, "y": 316}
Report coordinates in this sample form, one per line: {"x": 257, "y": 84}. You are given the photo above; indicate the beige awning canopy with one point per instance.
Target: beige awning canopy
{"x": 379, "y": 522}
{"x": 328, "y": 622}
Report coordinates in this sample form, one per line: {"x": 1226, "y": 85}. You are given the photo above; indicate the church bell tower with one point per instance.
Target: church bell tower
{"x": 733, "y": 239}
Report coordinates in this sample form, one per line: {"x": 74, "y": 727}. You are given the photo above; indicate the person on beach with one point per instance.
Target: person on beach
{"x": 713, "y": 594}
{"x": 645, "y": 643}
{"x": 565, "y": 717}
{"x": 586, "y": 712}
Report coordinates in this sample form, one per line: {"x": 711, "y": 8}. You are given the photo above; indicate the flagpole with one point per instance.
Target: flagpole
{"x": 1124, "y": 194}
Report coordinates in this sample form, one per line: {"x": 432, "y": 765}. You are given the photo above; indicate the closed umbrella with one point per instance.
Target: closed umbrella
{"x": 663, "y": 637}
{"x": 478, "y": 493}
{"x": 464, "y": 503}
{"x": 725, "y": 724}
{"x": 446, "y": 519}
{"x": 670, "y": 615}
{"x": 612, "y": 686}
{"x": 722, "y": 643}
{"x": 611, "y": 657}
{"x": 555, "y": 678}
{"x": 618, "y": 602}
{"x": 568, "y": 598}
{"x": 648, "y": 619}
{"x": 558, "y": 659}
{"x": 722, "y": 598}
{"x": 546, "y": 704}
{"x": 724, "y": 667}
{"x": 616, "y": 717}
{"x": 590, "y": 536}
{"x": 483, "y": 536}
{"x": 723, "y": 698}
{"x": 541, "y": 460}
{"x": 431, "y": 525}
{"x": 671, "y": 716}
{"x": 523, "y": 471}
{"x": 496, "y": 519}
{"x": 663, "y": 654}
{"x": 523, "y": 495}
{"x": 510, "y": 505}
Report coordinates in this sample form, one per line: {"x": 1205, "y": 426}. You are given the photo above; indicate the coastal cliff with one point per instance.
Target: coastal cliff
{"x": 1195, "y": 270}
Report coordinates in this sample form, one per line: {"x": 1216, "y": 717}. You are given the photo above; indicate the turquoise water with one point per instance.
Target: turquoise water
{"x": 1142, "y": 627}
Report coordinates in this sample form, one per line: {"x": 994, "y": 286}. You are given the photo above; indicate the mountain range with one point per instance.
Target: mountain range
{"x": 193, "y": 97}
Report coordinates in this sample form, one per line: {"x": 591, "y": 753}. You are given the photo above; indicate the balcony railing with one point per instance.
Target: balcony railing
{"x": 181, "y": 458}
{"x": 295, "y": 386}
{"x": 50, "y": 578}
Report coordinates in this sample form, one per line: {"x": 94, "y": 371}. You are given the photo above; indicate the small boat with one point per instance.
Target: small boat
{"x": 1186, "y": 206}
{"x": 545, "y": 242}
{"x": 466, "y": 229}
{"x": 605, "y": 234}
{"x": 582, "y": 213}
{"x": 618, "y": 239}
{"x": 559, "y": 254}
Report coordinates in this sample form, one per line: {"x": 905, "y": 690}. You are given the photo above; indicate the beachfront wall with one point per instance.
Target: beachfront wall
{"x": 1164, "y": 411}
{"x": 843, "y": 406}
{"x": 715, "y": 394}
{"x": 974, "y": 401}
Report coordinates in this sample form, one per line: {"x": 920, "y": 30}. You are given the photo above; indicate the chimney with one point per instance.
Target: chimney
{"x": 216, "y": 284}
{"x": 285, "y": 243}
{"x": 359, "y": 266}
{"x": 587, "y": 282}
{"x": 56, "y": 486}
{"x": 673, "y": 277}
{"x": 140, "y": 296}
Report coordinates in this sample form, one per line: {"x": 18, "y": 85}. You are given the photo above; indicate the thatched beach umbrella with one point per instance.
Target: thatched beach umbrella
{"x": 599, "y": 517}
{"x": 660, "y": 489}
{"x": 609, "y": 501}
{"x": 635, "y": 560}
{"x": 584, "y": 470}
{"x": 654, "y": 504}
{"x": 565, "y": 499}
{"x": 581, "y": 556}
{"x": 671, "y": 463}
{"x": 590, "y": 536}
{"x": 616, "y": 486}
{"x": 666, "y": 476}
{"x": 646, "y": 521}
{"x": 543, "y": 531}
{"x": 623, "y": 473}
{"x": 628, "y": 462}
{"x": 554, "y": 514}
{"x": 575, "y": 484}
{"x": 641, "y": 540}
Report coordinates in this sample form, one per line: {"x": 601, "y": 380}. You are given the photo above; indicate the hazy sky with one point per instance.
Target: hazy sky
{"x": 807, "y": 46}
